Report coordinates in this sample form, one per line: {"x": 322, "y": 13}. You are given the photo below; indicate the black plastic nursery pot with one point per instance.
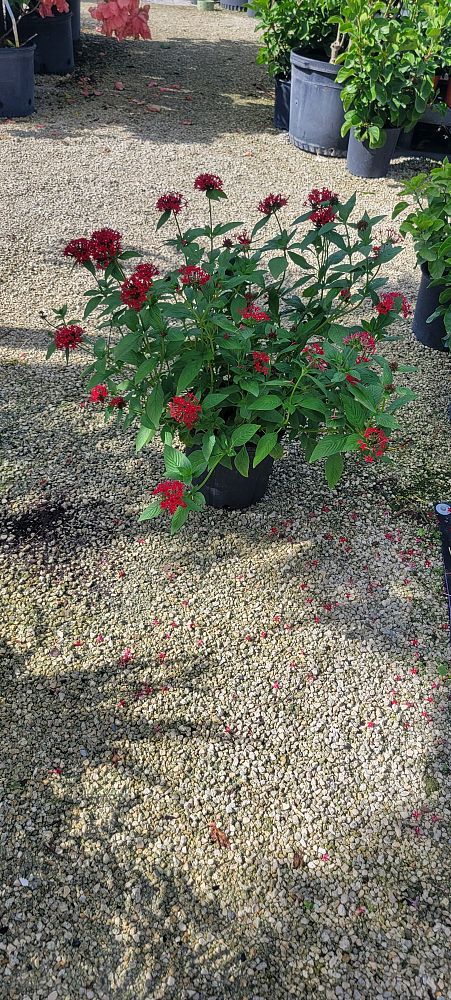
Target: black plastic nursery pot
{"x": 429, "y": 334}
{"x": 74, "y": 7}
{"x": 234, "y": 4}
{"x": 316, "y": 111}
{"x": 365, "y": 162}
{"x": 282, "y": 93}
{"x": 227, "y": 489}
{"x": 16, "y": 82}
{"x": 54, "y": 52}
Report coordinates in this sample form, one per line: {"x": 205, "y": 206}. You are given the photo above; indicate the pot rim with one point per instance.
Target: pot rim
{"x": 307, "y": 62}
{"x": 13, "y": 50}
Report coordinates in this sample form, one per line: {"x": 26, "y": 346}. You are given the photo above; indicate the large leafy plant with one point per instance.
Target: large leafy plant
{"x": 251, "y": 337}
{"x": 394, "y": 48}
{"x": 288, "y": 24}
{"x": 429, "y": 223}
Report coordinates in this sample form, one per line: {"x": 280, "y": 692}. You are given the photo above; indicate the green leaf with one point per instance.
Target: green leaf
{"x": 265, "y": 446}
{"x": 144, "y": 435}
{"x": 213, "y": 399}
{"x": 131, "y": 342}
{"x": 347, "y": 208}
{"x": 224, "y": 323}
{"x": 164, "y": 217}
{"x": 207, "y": 446}
{"x": 130, "y": 318}
{"x": 298, "y": 259}
{"x": 331, "y": 444}
{"x": 241, "y": 435}
{"x": 145, "y": 369}
{"x": 355, "y": 414}
{"x": 177, "y": 465}
{"x": 91, "y": 305}
{"x": 188, "y": 374}
{"x": 154, "y": 405}
{"x": 265, "y": 403}
{"x": 150, "y": 512}
{"x": 178, "y": 519}
{"x": 277, "y": 266}
{"x": 333, "y": 469}
{"x": 242, "y": 462}
{"x": 399, "y": 208}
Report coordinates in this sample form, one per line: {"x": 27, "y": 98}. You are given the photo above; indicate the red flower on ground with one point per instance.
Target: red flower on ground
{"x": 98, "y": 394}
{"x": 314, "y": 353}
{"x": 185, "y": 409}
{"x": 321, "y": 216}
{"x": 208, "y": 182}
{"x": 244, "y": 239}
{"x": 352, "y": 380}
{"x": 172, "y": 492}
{"x": 388, "y": 302}
{"x": 374, "y": 443}
{"x": 145, "y": 273}
{"x": 255, "y": 313}
{"x": 345, "y": 293}
{"x": 105, "y": 246}
{"x": 272, "y": 203}
{"x": 118, "y": 402}
{"x": 67, "y": 338}
{"x": 261, "y": 361}
{"x": 317, "y": 197}
{"x": 79, "y": 249}
{"x": 134, "y": 292}
{"x": 191, "y": 274}
{"x": 172, "y": 201}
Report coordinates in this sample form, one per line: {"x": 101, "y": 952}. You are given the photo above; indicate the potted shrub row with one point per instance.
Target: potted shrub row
{"x": 255, "y": 337}
{"x": 429, "y": 223}
{"x": 363, "y": 69}
{"x": 16, "y": 66}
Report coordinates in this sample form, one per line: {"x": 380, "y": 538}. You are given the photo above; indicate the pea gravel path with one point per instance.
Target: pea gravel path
{"x": 274, "y": 672}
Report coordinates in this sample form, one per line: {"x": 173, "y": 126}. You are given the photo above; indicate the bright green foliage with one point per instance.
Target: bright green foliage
{"x": 289, "y": 24}
{"x": 394, "y": 50}
{"x": 430, "y": 225}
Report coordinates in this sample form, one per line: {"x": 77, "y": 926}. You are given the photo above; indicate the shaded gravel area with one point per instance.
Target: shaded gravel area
{"x": 275, "y": 672}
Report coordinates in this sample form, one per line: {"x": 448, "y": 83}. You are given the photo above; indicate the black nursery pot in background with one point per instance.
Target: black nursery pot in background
{"x": 54, "y": 51}
{"x": 234, "y": 4}
{"x": 74, "y": 7}
{"x": 226, "y": 488}
{"x": 282, "y": 102}
{"x": 429, "y": 334}
{"x": 316, "y": 111}
{"x": 16, "y": 82}
{"x": 365, "y": 162}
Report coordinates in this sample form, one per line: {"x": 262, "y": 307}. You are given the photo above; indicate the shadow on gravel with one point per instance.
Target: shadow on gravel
{"x": 131, "y": 927}
{"x": 217, "y": 89}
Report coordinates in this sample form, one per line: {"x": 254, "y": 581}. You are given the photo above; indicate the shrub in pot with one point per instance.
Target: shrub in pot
{"x": 429, "y": 223}
{"x": 387, "y": 74}
{"x": 49, "y": 27}
{"x": 250, "y": 338}
{"x": 285, "y": 25}
{"x": 16, "y": 66}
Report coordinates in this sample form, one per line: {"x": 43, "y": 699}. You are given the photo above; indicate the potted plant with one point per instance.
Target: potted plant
{"x": 48, "y": 26}
{"x": 16, "y": 65}
{"x": 286, "y": 25}
{"x": 228, "y": 352}
{"x": 387, "y": 74}
{"x": 429, "y": 223}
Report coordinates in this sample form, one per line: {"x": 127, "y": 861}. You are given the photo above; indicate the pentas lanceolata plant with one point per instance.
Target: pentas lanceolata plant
{"x": 256, "y": 334}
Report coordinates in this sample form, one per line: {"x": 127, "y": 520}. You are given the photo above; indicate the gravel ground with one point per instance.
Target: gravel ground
{"x": 273, "y": 672}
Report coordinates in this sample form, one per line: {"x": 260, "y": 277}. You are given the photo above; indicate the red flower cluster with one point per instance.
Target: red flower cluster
{"x": 227, "y": 243}
{"x": 389, "y": 301}
{"x": 118, "y": 402}
{"x": 134, "y": 289}
{"x": 185, "y": 409}
{"x": 191, "y": 274}
{"x": 345, "y": 293}
{"x": 172, "y": 201}
{"x": 105, "y": 245}
{"x": 272, "y": 203}
{"x": 253, "y": 312}
{"x": 261, "y": 361}
{"x": 322, "y": 215}
{"x": 314, "y": 353}
{"x": 67, "y": 338}
{"x": 374, "y": 443}
{"x": 208, "y": 182}
{"x": 362, "y": 340}
{"x": 317, "y": 197}
{"x": 98, "y": 394}
{"x": 79, "y": 249}
{"x": 244, "y": 239}
{"x": 172, "y": 492}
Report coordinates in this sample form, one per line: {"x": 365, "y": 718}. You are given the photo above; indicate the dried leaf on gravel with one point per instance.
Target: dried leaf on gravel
{"x": 298, "y": 859}
{"x": 218, "y": 836}
{"x": 119, "y": 85}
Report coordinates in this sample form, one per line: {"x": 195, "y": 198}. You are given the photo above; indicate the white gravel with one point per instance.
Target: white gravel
{"x": 260, "y": 645}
